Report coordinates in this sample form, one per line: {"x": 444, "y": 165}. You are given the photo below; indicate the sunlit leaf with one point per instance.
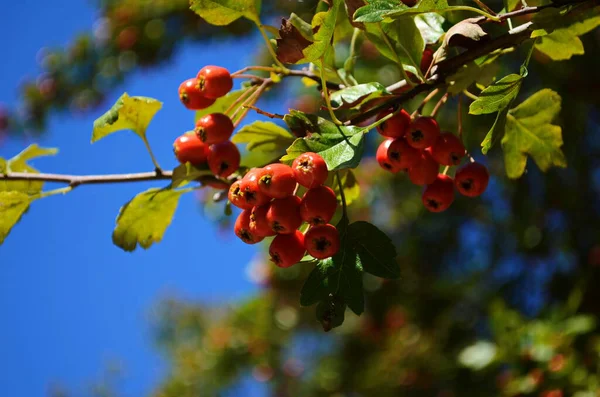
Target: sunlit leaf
{"x": 19, "y": 164}
{"x": 224, "y": 12}
{"x": 379, "y": 10}
{"x": 264, "y": 136}
{"x": 353, "y": 96}
{"x": 12, "y": 207}
{"x": 497, "y": 96}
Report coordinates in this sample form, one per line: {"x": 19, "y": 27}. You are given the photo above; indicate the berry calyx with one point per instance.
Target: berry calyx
{"x": 188, "y": 148}
{"x": 258, "y": 221}
{"x": 401, "y": 154}
{"x": 277, "y": 180}
{"x": 224, "y": 159}
{"x": 425, "y": 170}
{"x": 191, "y": 96}
{"x": 396, "y": 126}
{"x": 250, "y": 189}
{"x": 383, "y": 157}
{"x": 423, "y": 132}
{"x": 287, "y": 249}
{"x": 284, "y": 215}
{"x": 310, "y": 170}
{"x": 472, "y": 179}
{"x": 322, "y": 241}
{"x": 438, "y": 195}
{"x": 242, "y": 229}
{"x": 214, "y": 81}
{"x": 448, "y": 149}
{"x": 318, "y": 205}
{"x": 236, "y": 196}
{"x": 214, "y": 128}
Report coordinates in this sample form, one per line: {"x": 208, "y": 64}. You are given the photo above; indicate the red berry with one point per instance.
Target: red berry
{"x": 396, "y": 126}
{"x": 423, "y": 132}
{"x": 383, "y": 157}
{"x": 402, "y": 155}
{"x": 224, "y": 159}
{"x": 438, "y": 196}
{"x": 188, "y": 148}
{"x": 258, "y": 221}
{"x": 472, "y": 179}
{"x": 242, "y": 229}
{"x": 236, "y": 196}
{"x": 214, "y": 128}
{"x": 322, "y": 241}
{"x": 287, "y": 249}
{"x": 310, "y": 169}
{"x": 277, "y": 180}
{"x": 250, "y": 190}
{"x": 426, "y": 59}
{"x": 448, "y": 149}
{"x": 214, "y": 81}
{"x": 191, "y": 96}
{"x": 284, "y": 215}
{"x": 424, "y": 171}
{"x": 318, "y": 205}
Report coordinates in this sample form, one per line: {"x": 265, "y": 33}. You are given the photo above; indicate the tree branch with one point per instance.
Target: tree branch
{"x": 76, "y": 180}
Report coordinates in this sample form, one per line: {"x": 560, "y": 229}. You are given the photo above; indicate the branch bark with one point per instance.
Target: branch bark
{"x": 76, "y": 180}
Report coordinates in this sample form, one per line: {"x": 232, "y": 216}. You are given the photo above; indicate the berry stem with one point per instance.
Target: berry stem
{"x": 250, "y": 101}
{"x": 446, "y": 170}
{"x": 326, "y": 93}
{"x": 382, "y": 120}
{"x": 264, "y": 113}
{"x": 239, "y": 100}
{"x": 439, "y": 104}
{"x": 342, "y": 194}
{"x": 247, "y": 68}
{"x": 459, "y": 117}
{"x": 428, "y": 98}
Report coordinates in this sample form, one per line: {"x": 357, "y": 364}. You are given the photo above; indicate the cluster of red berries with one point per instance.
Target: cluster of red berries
{"x": 209, "y": 141}
{"x": 271, "y": 207}
{"x": 418, "y": 147}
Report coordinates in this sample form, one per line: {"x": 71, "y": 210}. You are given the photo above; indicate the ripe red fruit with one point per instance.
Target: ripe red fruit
{"x": 191, "y": 96}
{"x": 188, "y": 148}
{"x": 258, "y": 221}
{"x": 383, "y": 157}
{"x": 224, "y": 159}
{"x": 423, "y": 132}
{"x": 236, "y": 196}
{"x": 448, "y": 149}
{"x": 426, "y": 59}
{"x": 287, "y": 249}
{"x": 277, "y": 180}
{"x": 284, "y": 215}
{"x": 310, "y": 169}
{"x": 396, "y": 126}
{"x": 214, "y": 81}
{"x": 318, "y": 205}
{"x": 425, "y": 170}
{"x": 250, "y": 190}
{"x": 242, "y": 229}
{"x": 472, "y": 179}
{"x": 402, "y": 155}
{"x": 438, "y": 196}
{"x": 214, "y": 128}
{"x": 322, "y": 241}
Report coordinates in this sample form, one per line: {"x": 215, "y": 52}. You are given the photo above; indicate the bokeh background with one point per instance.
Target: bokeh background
{"x": 498, "y": 294}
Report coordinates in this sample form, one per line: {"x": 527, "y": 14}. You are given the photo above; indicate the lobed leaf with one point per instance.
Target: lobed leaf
{"x": 560, "y": 45}
{"x": 498, "y": 95}
{"x": 184, "y": 173}
{"x": 224, "y": 12}
{"x": 12, "y": 207}
{"x": 264, "y": 136}
{"x": 354, "y": 96}
{"x": 496, "y": 132}
{"x": 19, "y": 164}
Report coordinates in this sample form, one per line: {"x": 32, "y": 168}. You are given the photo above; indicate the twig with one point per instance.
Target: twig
{"x": 264, "y": 113}
{"x": 428, "y": 98}
{"x": 76, "y": 180}
{"x": 459, "y": 117}
{"x": 439, "y": 105}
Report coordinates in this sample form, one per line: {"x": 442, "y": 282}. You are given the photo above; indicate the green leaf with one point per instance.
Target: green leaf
{"x": 580, "y": 324}
{"x": 19, "y": 164}
{"x": 303, "y": 27}
{"x": 379, "y": 10}
{"x": 374, "y": 248}
{"x": 12, "y": 207}
{"x": 31, "y": 152}
{"x": 560, "y": 45}
{"x": 349, "y": 184}
{"x": 144, "y": 219}
{"x": 496, "y": 132}
{"x": 184, "y": 173}
{"x": 497, "y": 96}
{"x": 221, "y": 104}
{"x": 577, "y": 20}
{"x": 264, "y": 136}
{"x": 529, "y": 131}
{"x": 330, "y": 313}
{"x": 431, "y": 26}
{"x": 224, "y": 12}
{"x": 128, "y": 113}
{"x": 473, "y": 72}
{"x": 353, "y": 96}
{"x": 408, "y": 42}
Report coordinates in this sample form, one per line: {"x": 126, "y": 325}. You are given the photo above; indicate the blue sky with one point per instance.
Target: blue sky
{"x": 70, "y": 300}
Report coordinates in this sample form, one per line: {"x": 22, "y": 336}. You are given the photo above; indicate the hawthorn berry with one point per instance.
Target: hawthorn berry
{"x": 396, "y": 126}
{"x": 318, "y": 205}
{"x": 426, "y": 59}
{"x": 472, "y": 179}
{"x": 242, "y": 229}
{"x": 424, "y": 170}
{"x": 224, "y": 159}
{"x": 383, "y": 157}
{"x": 322, "y": 241}
{"x": 448, "y": 149}
{"x": 423, "y": 132}
{"x": 191, "y": 96}
{"x": 250, "y": 190}
{"x": 287, "y": 249}
{"x": 236, "y": 196}
{"x": 188, "y": 148}
{"x": 438, "y": 195}
{"x": 310, "y": 169}
{"x": 214, "y": 81}
{"x": 284, "y": 215}
{"x": 277, "y": 180}
{"x": 258, "y": 221}
{"x": 401, "y": 154}
{"x": 214, "y": 128}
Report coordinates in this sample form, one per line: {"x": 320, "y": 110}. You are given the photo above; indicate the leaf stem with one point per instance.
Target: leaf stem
{"x": 470, "y": 95}
{"x": 397, "y": 60}
{"x": 349, "y": 64}
{"x": 269, "y": 46}
{"x": 471, "y": 9}
{"x": 485, "y": 7}
{"x": 342, "y": 195}
{"x": 326, "y": 93}
{"x": 149, "y": 149}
